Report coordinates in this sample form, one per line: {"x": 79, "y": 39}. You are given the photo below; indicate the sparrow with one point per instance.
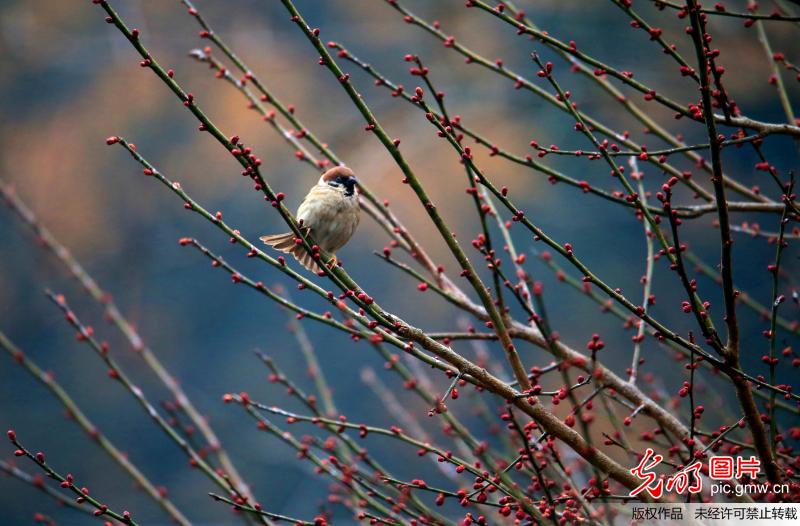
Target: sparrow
{"x": 330, "y": 212}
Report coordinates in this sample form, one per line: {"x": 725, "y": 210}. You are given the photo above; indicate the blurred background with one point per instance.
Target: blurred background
{"x": 68, "y": 80}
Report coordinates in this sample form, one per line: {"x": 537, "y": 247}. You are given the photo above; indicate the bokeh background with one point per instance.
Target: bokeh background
{"x": 68, "y": 80}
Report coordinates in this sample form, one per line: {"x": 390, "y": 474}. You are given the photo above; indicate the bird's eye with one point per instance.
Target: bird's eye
{"x": 334, "y": 184}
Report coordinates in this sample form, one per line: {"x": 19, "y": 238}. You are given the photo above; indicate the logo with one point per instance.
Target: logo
{"x": 688, "y": 479}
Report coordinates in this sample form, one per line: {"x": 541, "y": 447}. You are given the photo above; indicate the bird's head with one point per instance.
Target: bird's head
{"x": 340, "y": 178}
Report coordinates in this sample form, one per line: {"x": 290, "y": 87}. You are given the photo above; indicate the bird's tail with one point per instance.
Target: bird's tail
{"x": 285, "y": 243}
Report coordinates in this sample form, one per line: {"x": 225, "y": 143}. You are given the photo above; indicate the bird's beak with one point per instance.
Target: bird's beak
{"x": 352, "y": 179}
